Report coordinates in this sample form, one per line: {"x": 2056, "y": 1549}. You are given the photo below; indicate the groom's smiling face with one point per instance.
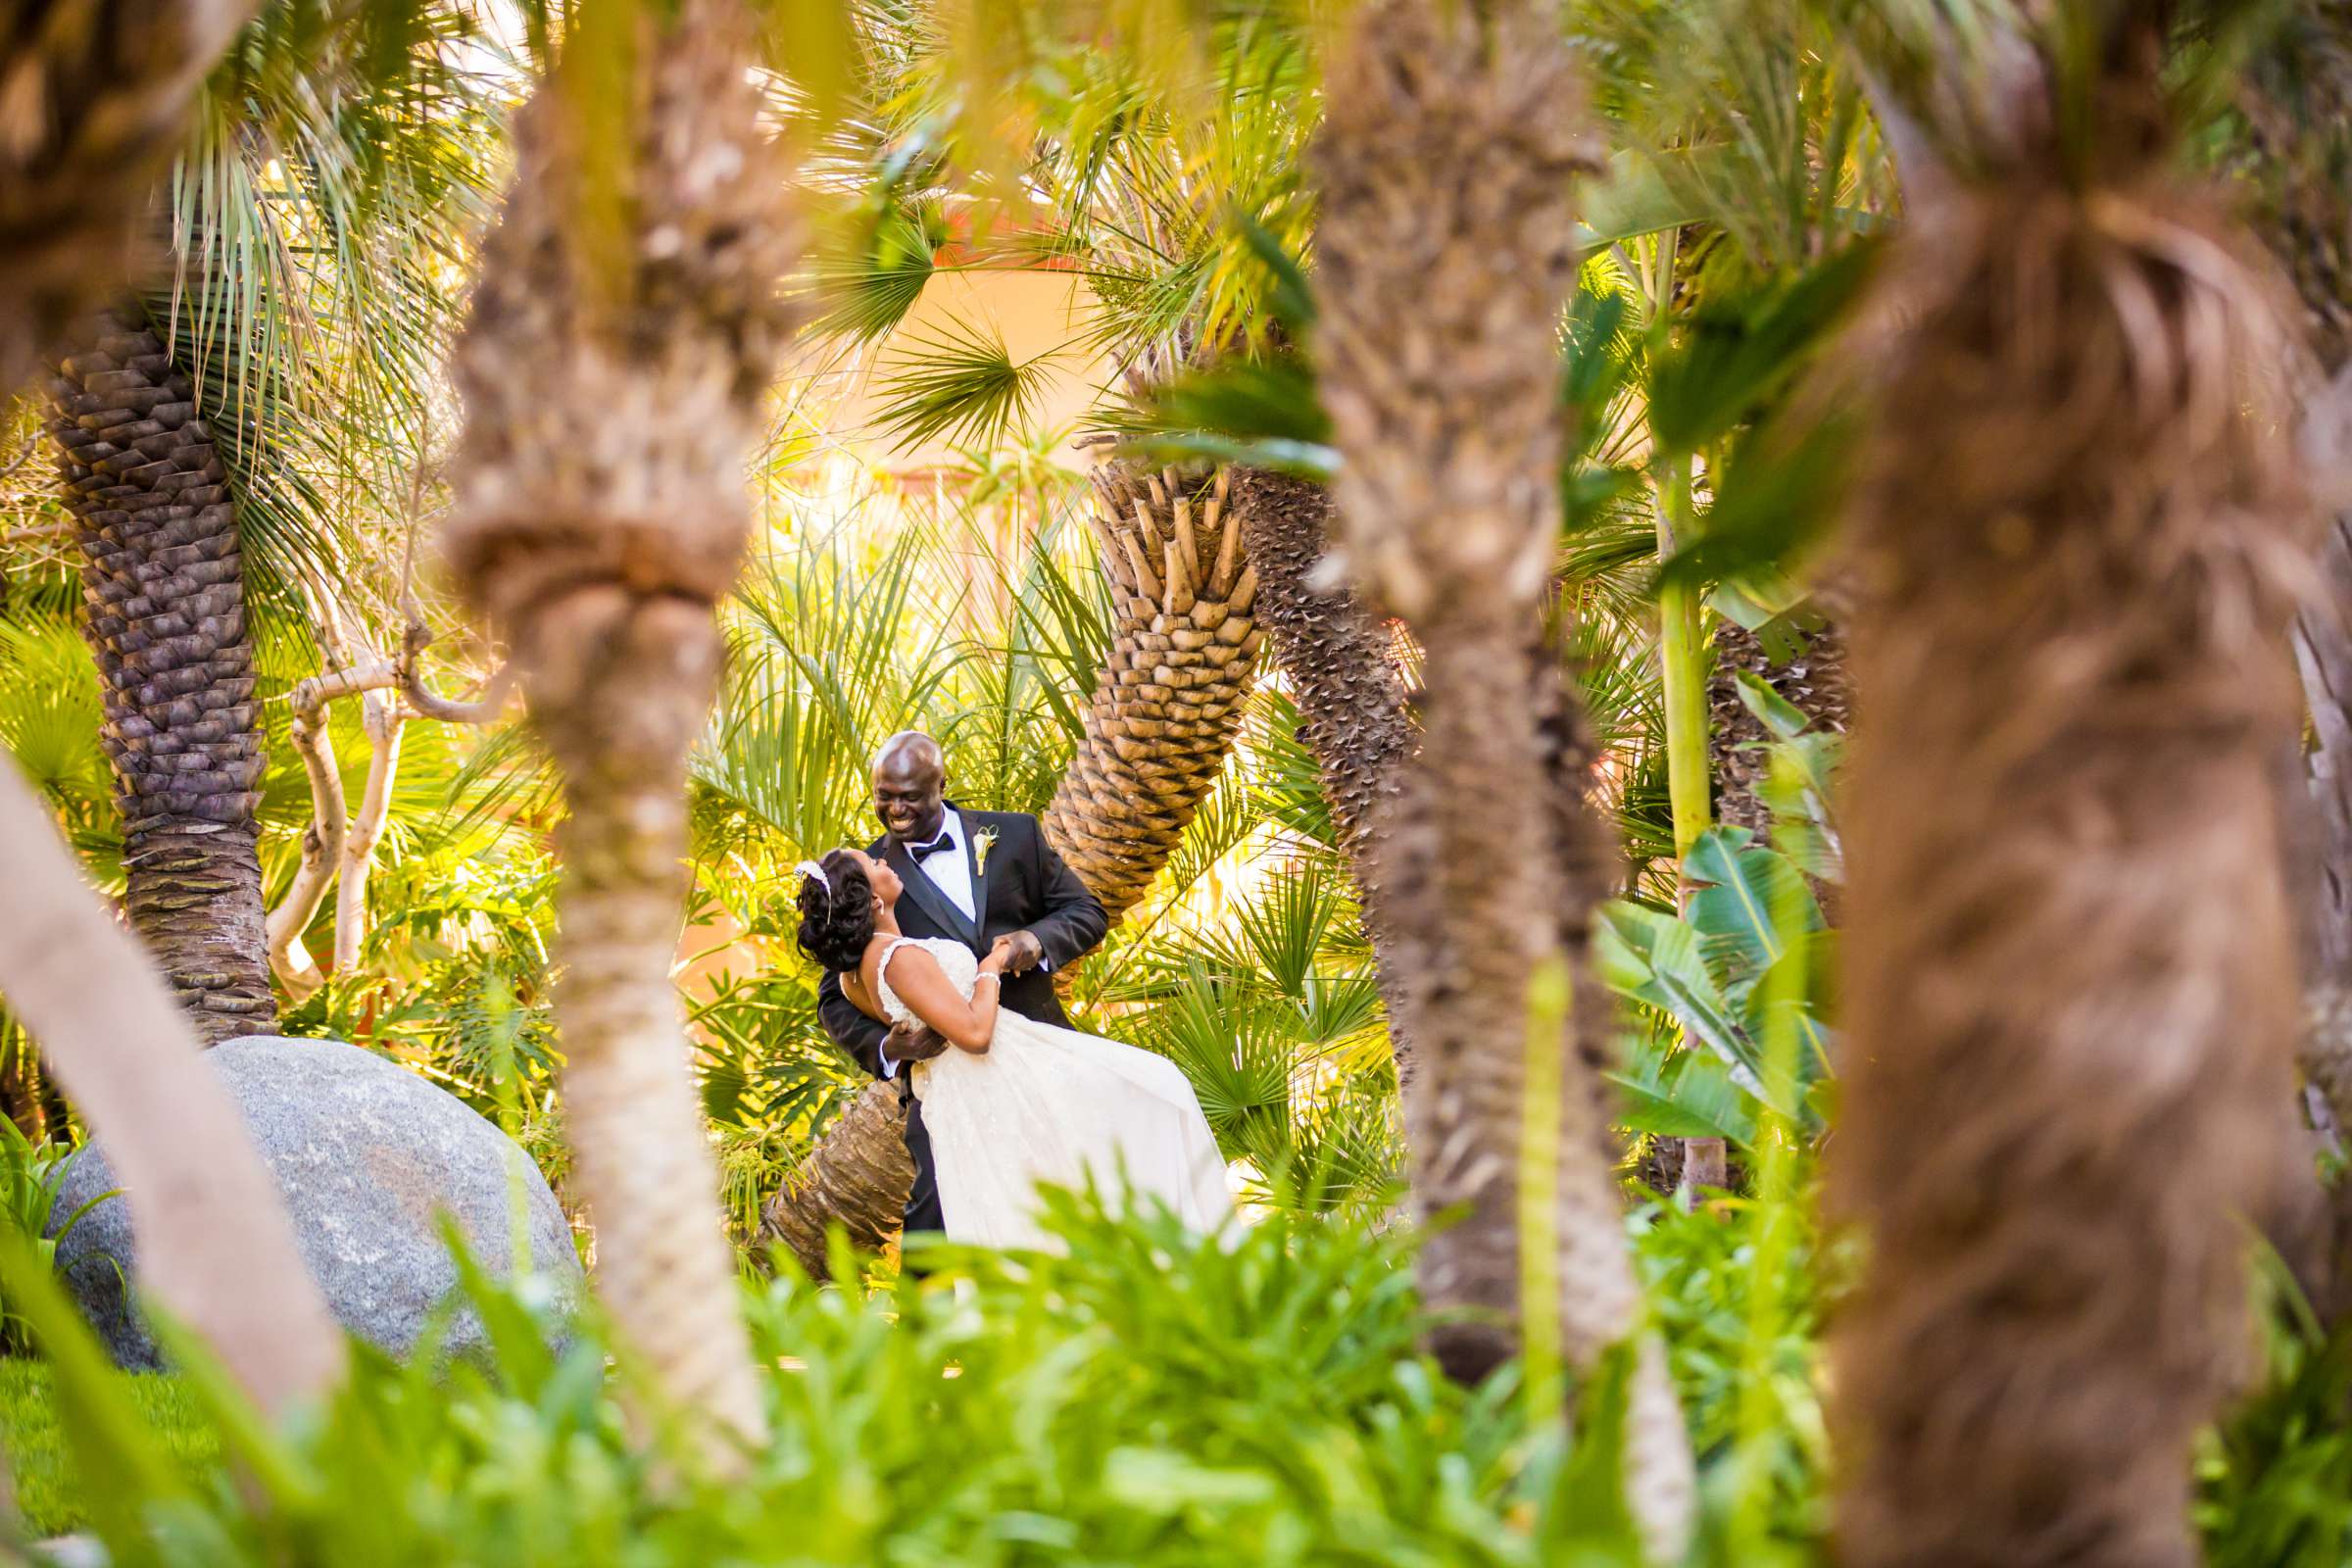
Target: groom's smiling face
{"x": 908, "y": 782}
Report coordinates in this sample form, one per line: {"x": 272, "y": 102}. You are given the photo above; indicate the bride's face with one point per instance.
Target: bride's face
{"x": 887, "y": 885}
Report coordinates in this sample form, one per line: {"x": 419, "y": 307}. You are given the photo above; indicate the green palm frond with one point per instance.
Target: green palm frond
{"x": 824, "y": 669}
{"x": 1238, "y": 1047}
{"x": 1030, "y": 677}
{"x": 1290, "y": 781}
{"x": 1346, "y": 1153}
{"x": 1742, "y": 117}
{"x": 1612, "y": 659}
{"x": 506, "y": 780}
{"x": 1282, "y": 933}
{"x": 961, "y": 383}
{"x": 49, "y": 715}
{"x": 318, "y": 221}
{"x": 869, "y": 280}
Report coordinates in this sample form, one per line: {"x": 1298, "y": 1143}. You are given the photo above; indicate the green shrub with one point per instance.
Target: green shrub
{"x": 1145, "y": 1399}
{"x": 1148, "y": 1398}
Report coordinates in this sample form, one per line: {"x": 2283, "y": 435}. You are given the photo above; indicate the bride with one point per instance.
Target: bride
{"x": 1015, "y": 1101}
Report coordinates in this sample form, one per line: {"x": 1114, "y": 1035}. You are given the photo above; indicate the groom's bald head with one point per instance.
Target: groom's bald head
{"x": 912, "y": 748}
{"x": 910, "y": 776}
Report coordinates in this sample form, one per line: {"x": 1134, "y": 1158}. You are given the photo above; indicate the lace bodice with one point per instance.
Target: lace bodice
{"x": 960, "y": 962}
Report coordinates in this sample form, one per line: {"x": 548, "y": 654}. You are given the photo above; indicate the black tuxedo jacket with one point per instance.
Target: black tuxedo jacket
{"x": 1021, "y": 885}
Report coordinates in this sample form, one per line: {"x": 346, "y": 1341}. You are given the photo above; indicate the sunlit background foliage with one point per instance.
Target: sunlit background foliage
{"x": 922, "y": 563}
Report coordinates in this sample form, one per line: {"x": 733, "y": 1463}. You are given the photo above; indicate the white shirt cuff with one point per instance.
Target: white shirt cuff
{"x": 890, "y": 1065}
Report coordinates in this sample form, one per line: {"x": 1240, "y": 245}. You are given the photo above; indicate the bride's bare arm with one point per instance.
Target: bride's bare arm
{"x": 924, "y": 987}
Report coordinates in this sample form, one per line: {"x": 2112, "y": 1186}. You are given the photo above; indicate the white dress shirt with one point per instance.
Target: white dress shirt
{"x": 951, "y": 870}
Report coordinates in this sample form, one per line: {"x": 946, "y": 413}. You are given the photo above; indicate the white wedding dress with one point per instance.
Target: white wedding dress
{"x": 1051, "y": 1104}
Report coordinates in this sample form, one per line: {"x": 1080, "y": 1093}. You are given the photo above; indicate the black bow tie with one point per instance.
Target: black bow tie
{"x": 923, "y": 852}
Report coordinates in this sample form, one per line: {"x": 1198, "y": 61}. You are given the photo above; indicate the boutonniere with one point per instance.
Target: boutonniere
{"x": 982, "y": 842}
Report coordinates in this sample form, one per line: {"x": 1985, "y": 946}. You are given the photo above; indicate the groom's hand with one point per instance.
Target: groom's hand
{"x": 1023, "y": 951}
{"x": 913, "y": 1041}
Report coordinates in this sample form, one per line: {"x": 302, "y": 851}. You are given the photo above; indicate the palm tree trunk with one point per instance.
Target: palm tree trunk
{"x": 2068, "y": 967}
{"x": 1341, "y": 662}
{"x": 2323, "y": 642}
{"x": 856, "y": 1177}
{"x": 101, "y": 94}
{"x": 2297, "y": 107}
{"x": 1683, "y": 658}
{"x": 1340, "y": 659}
{"x": 624, "y": 333}
{"x": 1184, "y": 650}
{"x": 162, "y": 576}
{"x": 1451, "y": 143}
{"x": 1814, "y": 683}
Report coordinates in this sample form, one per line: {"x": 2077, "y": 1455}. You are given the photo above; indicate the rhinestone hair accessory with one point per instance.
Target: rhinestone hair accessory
{"x": 814, "y": 874}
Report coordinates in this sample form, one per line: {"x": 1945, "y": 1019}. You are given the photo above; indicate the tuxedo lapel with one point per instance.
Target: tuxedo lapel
{"x": 925, "y": 893}
{"x": 978, "y": 864}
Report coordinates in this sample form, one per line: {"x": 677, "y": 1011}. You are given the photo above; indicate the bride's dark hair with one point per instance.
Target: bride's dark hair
{"x": 837, "y": 913}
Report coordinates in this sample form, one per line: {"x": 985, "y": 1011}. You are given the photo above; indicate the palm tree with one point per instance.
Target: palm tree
{"x": 2069, "y": 944}
{"x": 108, "y": 91}
{"x": 166, "y": 620}
{"x": 1170, "y": 700}
{"x": 177, "y": 420}
{"x": 2295, "y": 103}
{"x": 622, "y": 336}
{"x": 1446, "y": 255}
{"x": 1136, "y": 193}
{"x": 1341, "y": 662}
{"x": 215, "y": 1240}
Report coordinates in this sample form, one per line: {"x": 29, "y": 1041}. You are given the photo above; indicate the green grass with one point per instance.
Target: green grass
{"x": 48, "y": 1493}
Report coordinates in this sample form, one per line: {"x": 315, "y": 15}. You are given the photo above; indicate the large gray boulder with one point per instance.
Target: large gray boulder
{"x": 367, "y": 1156}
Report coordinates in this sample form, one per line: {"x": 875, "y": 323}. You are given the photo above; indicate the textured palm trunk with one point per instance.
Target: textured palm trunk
{"x": 2068, "y": 966}
{"x": 1451, "y": 141}
{"x": 856, "y": 1177}
{"x": 98, "y": 94}
{"x": 1341, "y": 662}
{"x": 622, "y": 336}
{"x": 1814, "y": 683}
{"x": 163, "y": 584}
{"x": 1183, "y": 653}
{"x": 2297, "y": 103}
{"x": 2319, "y": 797}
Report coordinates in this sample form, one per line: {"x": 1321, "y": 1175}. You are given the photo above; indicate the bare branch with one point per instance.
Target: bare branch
{"x": 385, "y": 719}
{"x": 313, "y": 693}
{"x": 322, "y": 850}
{"x": 59, "y": 531}
{"x": 323, "y": 841}
{"x": 428, "y": 704}
{"x": 337, "y": 850}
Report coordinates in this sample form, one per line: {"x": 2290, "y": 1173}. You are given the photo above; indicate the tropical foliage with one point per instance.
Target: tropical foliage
{"x": 925, "y": 549}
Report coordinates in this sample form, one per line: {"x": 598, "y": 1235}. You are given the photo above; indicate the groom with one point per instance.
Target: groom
{"x": 971, "y": 877}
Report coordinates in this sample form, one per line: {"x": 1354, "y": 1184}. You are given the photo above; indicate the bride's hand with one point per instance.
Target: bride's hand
{"x": 1000, "y": 954}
